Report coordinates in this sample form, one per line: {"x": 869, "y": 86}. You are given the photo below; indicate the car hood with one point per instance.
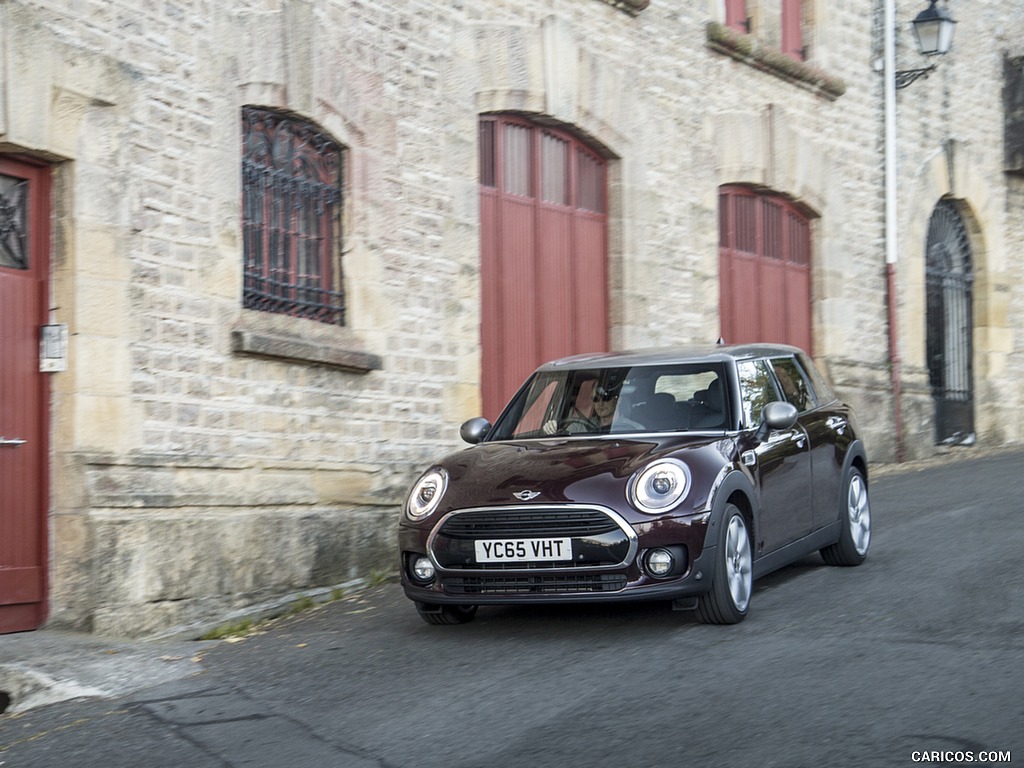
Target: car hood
{"x": 564, "y": 470}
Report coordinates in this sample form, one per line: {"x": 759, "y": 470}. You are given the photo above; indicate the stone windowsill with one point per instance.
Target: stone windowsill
{"x": 280, "y": 344}
{"x": 632, "y": 7}
{"x": 750, "y": 51}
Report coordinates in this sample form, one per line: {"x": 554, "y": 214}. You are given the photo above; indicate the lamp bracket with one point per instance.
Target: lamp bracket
{"x": 907, "y": 76}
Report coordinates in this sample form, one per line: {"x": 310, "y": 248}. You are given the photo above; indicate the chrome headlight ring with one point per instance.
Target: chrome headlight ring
{"x": 426, "y": 494}
{"x": 659, "y": 486}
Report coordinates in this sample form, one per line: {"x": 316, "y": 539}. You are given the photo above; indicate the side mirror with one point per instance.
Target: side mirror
{"x": 475, "y": 430}
{"x": 776, "y": 416}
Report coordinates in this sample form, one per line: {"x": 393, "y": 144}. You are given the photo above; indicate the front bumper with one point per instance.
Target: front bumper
{"x": 608, "y": 554}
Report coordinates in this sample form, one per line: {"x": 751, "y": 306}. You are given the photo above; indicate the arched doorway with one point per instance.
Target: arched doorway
{"x": 544, "y": 251}
{"x": 24, "y": 392}
{"x": 764, "y": 268}
{"x": 949, "y": 282}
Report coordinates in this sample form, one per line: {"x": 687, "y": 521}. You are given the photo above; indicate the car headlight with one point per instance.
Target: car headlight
{"x": 659, "y": 486}
{"x": 426, "y": 494}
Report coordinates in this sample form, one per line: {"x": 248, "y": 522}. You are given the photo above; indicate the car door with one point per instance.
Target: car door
{"x": 814, "y": 422}
{"x": 829, "y": 431}
{"x": 781, "y": 464}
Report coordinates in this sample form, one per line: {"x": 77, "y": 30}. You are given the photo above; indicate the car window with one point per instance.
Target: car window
{"x": 672, "y": 397}
{"x": 794, "y": 385}
{"x": 757, "y": 389}
{"x": 822, "y": 390}
{"x": 540, "y": 402}
{"x": 683, "y": 386}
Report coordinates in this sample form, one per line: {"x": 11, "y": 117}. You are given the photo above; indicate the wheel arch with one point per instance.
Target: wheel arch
{"x": 736, "y": 489}
{"x": 856, "y": 456}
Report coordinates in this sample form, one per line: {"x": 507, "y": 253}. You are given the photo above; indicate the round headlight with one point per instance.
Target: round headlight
{"x": 426, "y": 494}
{"x": 660, "y": 486}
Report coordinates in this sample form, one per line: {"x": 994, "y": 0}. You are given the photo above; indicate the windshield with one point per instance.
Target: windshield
{"x": 667, "y": 398}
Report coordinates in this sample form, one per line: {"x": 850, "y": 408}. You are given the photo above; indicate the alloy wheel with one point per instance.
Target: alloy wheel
{"x": 738, "y": 563}
{"x": 859, "y": 511}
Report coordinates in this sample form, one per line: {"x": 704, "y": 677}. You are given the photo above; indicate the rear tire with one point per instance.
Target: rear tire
{"x": 855, "y": 533}
{"x": 447, "y": 615}
{"x": 728, "y": 599}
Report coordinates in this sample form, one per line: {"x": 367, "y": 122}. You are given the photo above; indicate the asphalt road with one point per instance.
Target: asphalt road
{"x": 919, "y": 653}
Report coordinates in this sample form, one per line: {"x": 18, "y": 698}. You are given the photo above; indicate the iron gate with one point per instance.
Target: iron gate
{"x": 949, "y": 283}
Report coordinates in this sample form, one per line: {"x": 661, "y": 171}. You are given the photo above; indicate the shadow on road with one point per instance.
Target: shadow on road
{"x": 604, "y": 616}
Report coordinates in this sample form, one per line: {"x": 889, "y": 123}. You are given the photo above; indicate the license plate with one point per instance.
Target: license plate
{"x": 523, "y": 550}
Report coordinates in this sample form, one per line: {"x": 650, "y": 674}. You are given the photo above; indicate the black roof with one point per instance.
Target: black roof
{"x": 669, "y": 355}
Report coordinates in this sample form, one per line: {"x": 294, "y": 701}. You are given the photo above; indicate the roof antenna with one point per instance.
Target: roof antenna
{"x": 720, "y": 342}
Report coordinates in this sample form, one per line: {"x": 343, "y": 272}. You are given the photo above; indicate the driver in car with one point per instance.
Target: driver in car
{"x": 599, "y": 420}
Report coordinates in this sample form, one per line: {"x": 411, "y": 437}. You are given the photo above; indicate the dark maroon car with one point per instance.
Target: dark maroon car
{"x": 675, "y": 475}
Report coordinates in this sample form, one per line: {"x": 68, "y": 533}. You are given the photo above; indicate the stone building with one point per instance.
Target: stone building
{"x": 232, "y": 399}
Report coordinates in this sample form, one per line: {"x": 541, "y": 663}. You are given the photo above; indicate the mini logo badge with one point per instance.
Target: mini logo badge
{"x": 526, "y": 495}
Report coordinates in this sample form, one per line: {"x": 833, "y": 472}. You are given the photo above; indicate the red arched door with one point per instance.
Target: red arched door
{"x": 765, "y": 269}
{"x": 544, "y": 274}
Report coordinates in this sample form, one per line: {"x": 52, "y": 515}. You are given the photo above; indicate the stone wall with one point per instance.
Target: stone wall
{"x": 208, "y": 457}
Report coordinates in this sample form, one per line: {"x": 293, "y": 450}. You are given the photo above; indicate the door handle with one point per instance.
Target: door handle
{"x": 14, "y": 441}
{"x": 799, "y": 438}
{"x": 837, "y": 424}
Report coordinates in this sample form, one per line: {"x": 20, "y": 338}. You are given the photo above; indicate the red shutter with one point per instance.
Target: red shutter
{"x": 736, "y": 14}
{"x": 792, "y": 29}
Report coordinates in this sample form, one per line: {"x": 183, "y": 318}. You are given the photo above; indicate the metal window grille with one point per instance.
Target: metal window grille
{"x": 13, "y": 213}
{"x": 949, "y": 283}
{"x": 292, "y": 203}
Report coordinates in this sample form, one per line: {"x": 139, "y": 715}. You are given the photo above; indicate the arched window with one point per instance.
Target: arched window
{"x": 765, "y": 268}
{"x": 291, "y": 217}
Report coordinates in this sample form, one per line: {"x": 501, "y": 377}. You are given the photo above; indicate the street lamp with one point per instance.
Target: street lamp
{"x": 933, "y": 30}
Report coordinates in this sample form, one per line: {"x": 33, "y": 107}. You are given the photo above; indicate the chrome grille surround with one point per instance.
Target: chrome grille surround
{"x": 583, "y": 523}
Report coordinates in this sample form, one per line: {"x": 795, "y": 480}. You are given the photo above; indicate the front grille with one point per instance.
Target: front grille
{"x": 597, "y": 540}
{"x": 518, "y": 585}
{"x": 527, "y": 523}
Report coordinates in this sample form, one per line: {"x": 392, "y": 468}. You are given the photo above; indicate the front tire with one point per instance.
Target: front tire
{"x": 728, "y": 599}
{"x": 855, "y": 533}
{"x": 446, "y": 614}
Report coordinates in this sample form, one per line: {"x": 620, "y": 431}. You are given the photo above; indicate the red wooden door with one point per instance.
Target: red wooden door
{"x": 765, "y": 269}
{"x": 24, "y": 249}
{"x": 543, "y": 252}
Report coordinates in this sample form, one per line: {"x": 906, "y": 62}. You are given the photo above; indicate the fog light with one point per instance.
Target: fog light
{"x": 660, "y": 562}
{"x": 423, "y": 569}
